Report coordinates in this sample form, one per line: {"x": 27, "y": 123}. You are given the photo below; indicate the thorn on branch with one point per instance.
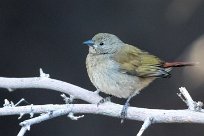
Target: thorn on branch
{"x": 43, "y": 75}
{"x": 11, "y": 89}
{"x": 31, "y": 112}
{"x": 146, "y": 124}
{"x": 97, "y": 91}
{"x": 28, "y": 127}
{"x": 185, "y": 97}
{"x": 72, "y": 117}
{"x": 199, "y": 106}
{"x": 68, "y": 100}
{"x": 21, "y": 100}
{"x": 24, "y": 123}
{"x": 8, "y": 104}
{"x": 21, "y": 115}
{"x": 11, "y": 104}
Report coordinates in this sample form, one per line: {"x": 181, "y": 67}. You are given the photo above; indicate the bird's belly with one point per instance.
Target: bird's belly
{"x": 106, "y": 77}
{"x": 117, "y": 84}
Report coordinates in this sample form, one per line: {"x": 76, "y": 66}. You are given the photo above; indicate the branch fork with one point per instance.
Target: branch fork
{"x": 148, "y": 116}
{"x": 148, "y": 121}
{"x": 192, "y": 105}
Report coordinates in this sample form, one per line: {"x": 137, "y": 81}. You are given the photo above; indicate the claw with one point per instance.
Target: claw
{"x": 106, "y": 99}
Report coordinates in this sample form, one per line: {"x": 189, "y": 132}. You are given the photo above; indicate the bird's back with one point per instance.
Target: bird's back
{"x": 136, "y": 62}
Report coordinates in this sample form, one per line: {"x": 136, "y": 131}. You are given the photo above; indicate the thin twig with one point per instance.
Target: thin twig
{"x": 145, "y": 125}
{"x": 189, "y": 101}
{"x": 28, "y": 123}
{"x": 192, "y": 105}
{"x": 22, "y": 131}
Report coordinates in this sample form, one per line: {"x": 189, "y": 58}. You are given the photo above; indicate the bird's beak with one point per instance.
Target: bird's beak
{"x": 89, "y": 42}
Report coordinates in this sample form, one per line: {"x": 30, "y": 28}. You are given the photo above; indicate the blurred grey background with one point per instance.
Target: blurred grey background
{"x": 48, "y": 34}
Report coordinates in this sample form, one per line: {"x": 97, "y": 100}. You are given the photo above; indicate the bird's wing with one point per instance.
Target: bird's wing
{"x": 136, "y": 62}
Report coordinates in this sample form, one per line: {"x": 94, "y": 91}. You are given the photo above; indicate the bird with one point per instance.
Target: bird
{"x": 123, "y": 70}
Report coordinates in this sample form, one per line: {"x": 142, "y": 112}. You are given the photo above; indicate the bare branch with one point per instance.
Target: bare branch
{"x": 48, "y": 83}
{"x": 113, "y": 110}
{"x": 192, "y": 105}
{"x": 149, "y": 116}
{"x": 52, "y": 114}
{"x": 145, "y": 125}
{"x": 23, "y": 131}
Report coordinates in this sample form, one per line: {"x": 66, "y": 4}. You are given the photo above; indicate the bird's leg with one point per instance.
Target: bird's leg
{"x": 106, "y": 99}
{"x": 125, "y": 108}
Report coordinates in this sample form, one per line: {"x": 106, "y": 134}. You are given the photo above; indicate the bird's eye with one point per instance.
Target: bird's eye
{"x": 101, "y": 43}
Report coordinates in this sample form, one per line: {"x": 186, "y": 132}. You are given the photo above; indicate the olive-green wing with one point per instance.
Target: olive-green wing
{"x": 136, "y": 62}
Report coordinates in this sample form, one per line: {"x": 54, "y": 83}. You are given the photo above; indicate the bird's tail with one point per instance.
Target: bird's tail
{"x": 179, "y": 64}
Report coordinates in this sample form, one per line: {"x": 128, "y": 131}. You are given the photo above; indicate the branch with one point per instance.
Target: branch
{"x": 148, "y": 116}
{"x": 27, "y": 123}
{"x": 23, "y": 131}
{"x": 192, "y": 105}
{"x": 48, "y": 83}
{"x": 113, "y": 110}
{"x": 146, "y": 124}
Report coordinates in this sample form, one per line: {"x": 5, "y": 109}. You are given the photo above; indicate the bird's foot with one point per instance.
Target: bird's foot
{"x": 106, "y": 99}
{"x": 123, "y": 114}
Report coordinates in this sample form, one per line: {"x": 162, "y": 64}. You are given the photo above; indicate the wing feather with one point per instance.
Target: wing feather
{"x": 136, "y": 62}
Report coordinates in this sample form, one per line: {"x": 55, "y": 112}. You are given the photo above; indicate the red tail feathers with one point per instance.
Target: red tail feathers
{"x": 178, "y": 64}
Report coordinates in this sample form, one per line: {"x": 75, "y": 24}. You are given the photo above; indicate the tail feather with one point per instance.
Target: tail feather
{"x": 178, "y": 64}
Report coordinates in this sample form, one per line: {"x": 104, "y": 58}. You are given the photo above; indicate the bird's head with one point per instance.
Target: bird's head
{"x": 104, "y": 43}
